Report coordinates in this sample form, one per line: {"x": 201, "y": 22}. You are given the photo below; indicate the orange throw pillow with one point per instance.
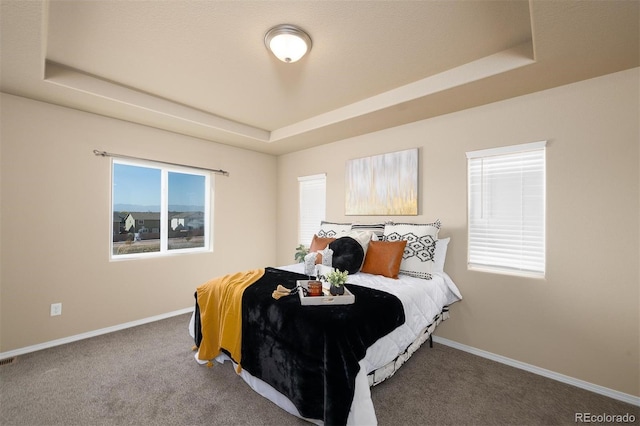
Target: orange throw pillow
{"x": 383, "y": 258}
{"x": 318, "y": 244}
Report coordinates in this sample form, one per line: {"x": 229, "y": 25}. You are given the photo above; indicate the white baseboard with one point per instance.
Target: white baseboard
{"x": 621, "y": 396}
{"x": 58, "y": 342}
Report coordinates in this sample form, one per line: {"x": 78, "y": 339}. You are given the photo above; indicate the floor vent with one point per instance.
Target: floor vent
{"x": 7, "y": 361}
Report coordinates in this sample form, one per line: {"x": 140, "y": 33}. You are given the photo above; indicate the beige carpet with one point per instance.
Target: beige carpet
{"x": 147, "y": 376}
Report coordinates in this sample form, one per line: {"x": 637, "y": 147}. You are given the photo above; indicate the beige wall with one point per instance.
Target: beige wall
{"x": 582, "y": 320}
{"x": 55, "y": 219}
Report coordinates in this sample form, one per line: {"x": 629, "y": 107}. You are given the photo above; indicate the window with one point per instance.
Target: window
{"x": 159, "y": 209}
{"x": 312, "y": 206}
{"x": 507, "y": 209}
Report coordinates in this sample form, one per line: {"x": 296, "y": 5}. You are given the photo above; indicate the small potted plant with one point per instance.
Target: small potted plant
{"x": 301, "y": 252}
{"x": 337, "y": 279}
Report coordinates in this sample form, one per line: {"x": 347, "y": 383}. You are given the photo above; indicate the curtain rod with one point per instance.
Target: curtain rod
{"x": 109, "y": 154}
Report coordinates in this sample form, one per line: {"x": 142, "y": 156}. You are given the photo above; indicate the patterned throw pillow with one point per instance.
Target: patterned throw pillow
{"x": 417, "y": 260}
{"x": 333, "y": 230}
{"x": 376, "y": 228}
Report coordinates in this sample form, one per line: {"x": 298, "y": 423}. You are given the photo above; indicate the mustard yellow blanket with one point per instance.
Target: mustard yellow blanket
{"x": 220, "y": 303}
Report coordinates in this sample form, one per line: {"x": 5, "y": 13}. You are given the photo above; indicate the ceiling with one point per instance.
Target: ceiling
{"x": 200, "y": 67}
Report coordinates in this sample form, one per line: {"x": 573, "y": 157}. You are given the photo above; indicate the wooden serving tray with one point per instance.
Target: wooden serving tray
{"x": 346, "y": 299}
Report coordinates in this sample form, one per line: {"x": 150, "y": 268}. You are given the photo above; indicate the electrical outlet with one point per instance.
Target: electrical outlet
{"x": 56, "y": 309}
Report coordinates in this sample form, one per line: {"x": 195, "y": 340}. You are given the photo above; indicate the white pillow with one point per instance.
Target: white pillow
{"x": 440, "y": 254}
{"x": 363, "y": 237}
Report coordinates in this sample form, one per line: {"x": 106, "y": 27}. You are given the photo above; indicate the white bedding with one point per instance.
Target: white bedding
{"x": 422, "y": 300}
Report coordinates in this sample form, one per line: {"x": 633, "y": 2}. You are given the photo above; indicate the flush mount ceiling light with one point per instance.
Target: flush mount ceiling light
{"x": 287, "y": 42}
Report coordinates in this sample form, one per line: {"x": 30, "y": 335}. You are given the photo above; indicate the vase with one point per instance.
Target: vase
{"x": 336, "y": 290}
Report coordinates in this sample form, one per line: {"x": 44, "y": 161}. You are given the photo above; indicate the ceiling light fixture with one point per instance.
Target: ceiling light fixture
{"x": 287, "y": 42}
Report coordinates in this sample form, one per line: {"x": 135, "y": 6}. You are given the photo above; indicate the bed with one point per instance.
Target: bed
{"x": 319, "y": 362}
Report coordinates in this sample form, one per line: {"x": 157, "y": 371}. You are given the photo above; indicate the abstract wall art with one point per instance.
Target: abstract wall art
{"x": 385, "y": 184}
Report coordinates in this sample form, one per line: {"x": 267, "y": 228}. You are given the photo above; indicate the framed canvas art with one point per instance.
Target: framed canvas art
{"x": 385, "y": 184}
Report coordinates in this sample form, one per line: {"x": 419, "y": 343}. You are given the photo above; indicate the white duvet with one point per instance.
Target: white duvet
{"x": 422, "y": 300}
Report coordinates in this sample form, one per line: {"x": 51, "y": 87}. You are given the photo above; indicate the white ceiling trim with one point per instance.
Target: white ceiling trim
{"x": 78, "y": 80}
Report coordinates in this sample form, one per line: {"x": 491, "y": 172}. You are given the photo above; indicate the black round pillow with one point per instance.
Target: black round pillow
{"x": 348, "y": 254}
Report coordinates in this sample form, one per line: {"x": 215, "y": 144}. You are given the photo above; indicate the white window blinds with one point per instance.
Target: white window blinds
{"x": 507, "y": 209}
{"x": 312, "y": 206}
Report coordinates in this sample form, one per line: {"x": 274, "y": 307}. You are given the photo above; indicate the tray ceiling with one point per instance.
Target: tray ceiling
{"x": 200, "y": 68}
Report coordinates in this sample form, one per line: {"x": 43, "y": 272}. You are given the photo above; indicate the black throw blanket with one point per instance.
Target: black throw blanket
{"x": 310, "y": 354}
